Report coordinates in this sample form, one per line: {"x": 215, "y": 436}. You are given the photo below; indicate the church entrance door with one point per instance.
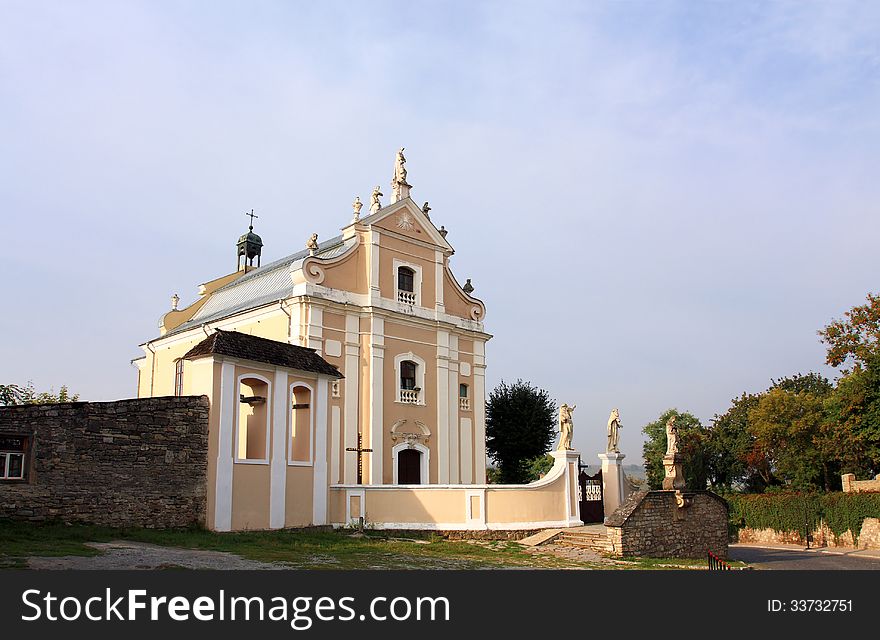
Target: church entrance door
{"x": 409, "y": 467}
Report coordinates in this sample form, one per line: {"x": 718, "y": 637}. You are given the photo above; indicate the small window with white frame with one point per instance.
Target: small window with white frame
{"x": 178, "y": 377}
{"x": 13, "y": 457}
{"x": 464, "y": 399}
{"x": 410, "y": 373}
{"x": 407, "y": 282}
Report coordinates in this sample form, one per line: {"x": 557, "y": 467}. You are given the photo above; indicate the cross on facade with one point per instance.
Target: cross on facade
{"x": 252, "y": 215}
{"x": 360, "y": 451}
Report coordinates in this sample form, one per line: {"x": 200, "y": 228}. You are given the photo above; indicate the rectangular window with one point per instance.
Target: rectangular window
{"x": 178, "y": 378}
{"x": 253, "y": 420}
{"x": 462, "y": 391}
{"x": 13, "y": 455}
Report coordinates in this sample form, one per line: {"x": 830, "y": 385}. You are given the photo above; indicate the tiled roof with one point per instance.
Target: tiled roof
{"x": 264, "y": 285}
{"x": 248, "y": 347}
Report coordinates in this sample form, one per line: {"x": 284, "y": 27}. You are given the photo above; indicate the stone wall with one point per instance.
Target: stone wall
{"x": 650, "y": 523}
{"x": 136, "y": 462}
{"x": 822, "y": 536}
{"x": 851, "y": 485}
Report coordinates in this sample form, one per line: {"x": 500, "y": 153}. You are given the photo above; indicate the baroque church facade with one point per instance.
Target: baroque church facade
{"x": 358, "y": 361}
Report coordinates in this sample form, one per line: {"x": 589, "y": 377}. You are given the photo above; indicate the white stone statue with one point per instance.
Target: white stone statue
{"x": 613, "y": 429}
{"x": 375, "y": 205}
{"x": 312, "y": 244}
{"x": 671, "y": 437}
{"x": 566, "y": 427}
{"x": 357, "y": 205}
{"x": 175, "y": 300}
{"x": 399, "y": 186}
{"x": 400, "y": 167}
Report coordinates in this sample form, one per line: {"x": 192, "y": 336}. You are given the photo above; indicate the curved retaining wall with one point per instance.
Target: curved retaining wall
{"x": 549, "y": 502}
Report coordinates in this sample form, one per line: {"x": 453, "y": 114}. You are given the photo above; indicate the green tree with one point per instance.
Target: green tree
{"x": 728, "y": 446}
{"x": 691, "y": 445}
{"x": 851, "y": 434}
{"x": 13, "y": 394}
{"x": 787, "y": 430}
{"x": 855, "y": 338}
{"x": 520, "y": 426}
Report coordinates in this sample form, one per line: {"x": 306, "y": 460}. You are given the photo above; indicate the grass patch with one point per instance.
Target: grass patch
{"x": 304, "y": 548}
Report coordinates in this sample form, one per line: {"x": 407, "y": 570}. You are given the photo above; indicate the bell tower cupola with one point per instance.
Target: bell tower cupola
{"x": 250, "y": 246}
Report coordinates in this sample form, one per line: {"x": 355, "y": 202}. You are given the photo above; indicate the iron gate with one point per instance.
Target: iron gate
{"x": 592, "y": 507}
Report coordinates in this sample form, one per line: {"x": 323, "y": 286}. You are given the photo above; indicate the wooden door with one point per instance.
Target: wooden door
{"x": 409, "y": 467}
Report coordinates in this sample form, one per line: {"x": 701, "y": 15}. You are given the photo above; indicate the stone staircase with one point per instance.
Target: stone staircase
{"x": 592, "y": 537}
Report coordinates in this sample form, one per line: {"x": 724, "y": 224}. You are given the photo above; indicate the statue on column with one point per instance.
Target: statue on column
{"x": 357, "y": 205}
{"x": 671, "y": 437}
{"x": 566, "y": 427}
{"x": 613, "y": 429}
{"x": 375, "y": 205}
{"x": 312, "y": 244}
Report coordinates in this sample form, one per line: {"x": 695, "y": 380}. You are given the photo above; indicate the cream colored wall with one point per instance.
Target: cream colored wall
{"x": 391, "y": 248}
{"x": 298, "y": 497}
{"x": 350, "y": 274}
{"x": 415, "y": 505}
{"x": 271, "y": 325}
{"x": 547, "y": 502}
{"x": 250, "y": 496}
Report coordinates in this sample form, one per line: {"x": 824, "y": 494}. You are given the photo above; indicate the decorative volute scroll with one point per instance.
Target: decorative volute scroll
{"x": 398, "y": 432}
{"x": 477, "y": 308}
{"x": 313, "y": 267}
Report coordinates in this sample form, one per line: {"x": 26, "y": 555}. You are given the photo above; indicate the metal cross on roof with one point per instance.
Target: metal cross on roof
{"x": 252, "y": 215}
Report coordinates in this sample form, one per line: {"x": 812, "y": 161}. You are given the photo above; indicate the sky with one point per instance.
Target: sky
{"x": 659, "y": 202}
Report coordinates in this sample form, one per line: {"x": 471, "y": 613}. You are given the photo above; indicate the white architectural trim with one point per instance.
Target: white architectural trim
{"x": 438, "y": 282}
{"x": 268, "y": 436}
{"x": 466, "y": 442}
{"x": 477, "y": 521}
{"x": 417, "y": 279}
{"x": 443, "y": 407}
{"x": 458, "y": 526}
{"x": 227, "y": 419}
{"x": 425, "y": 462}
{"x": 420, "y": 376}
{"x": 352, "y": 373}
{"x": 289, "y": 445}
{"x": 348, "y": 495}
{"x": 319, "y": 501}
{"x": 335, "y": 436}
{"x": 453, "y": 425}
{"x": 478, "y": 405}
{"x": 377, "y": 398}
{"x": 278, "y": 468}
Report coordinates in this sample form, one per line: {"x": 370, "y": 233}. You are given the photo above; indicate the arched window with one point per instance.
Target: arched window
{"x": 301, "y": 425}
{"x": 464, "y": 400}
{"x": 178, "y": 378}
{"x": 253, "y": 419}
{"x": 409, "y": 393}
{"x": 410, "y": 373}
{"x": 406, "y": 279}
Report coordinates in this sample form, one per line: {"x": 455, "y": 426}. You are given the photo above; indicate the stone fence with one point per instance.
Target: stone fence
{"x": 139, "y": 462}
{"x": 821, "y": 536}
{"x": 669, "y": 524}
{"x": 851, "y": 485}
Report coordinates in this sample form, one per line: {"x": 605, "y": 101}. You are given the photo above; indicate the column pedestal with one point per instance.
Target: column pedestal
{"x": 674, "y": 477}
{"x": 612, "y": 481}
{"x": 570, "y": 459}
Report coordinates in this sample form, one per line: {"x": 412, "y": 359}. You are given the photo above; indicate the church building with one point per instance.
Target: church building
{"x": 357, "y": 361}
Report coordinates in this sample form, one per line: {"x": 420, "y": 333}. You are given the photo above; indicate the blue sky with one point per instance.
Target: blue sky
{"x": 659, "y": 202}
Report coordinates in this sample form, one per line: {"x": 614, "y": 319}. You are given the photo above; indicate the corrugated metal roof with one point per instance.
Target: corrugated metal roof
{"x": 259, "y": 287}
